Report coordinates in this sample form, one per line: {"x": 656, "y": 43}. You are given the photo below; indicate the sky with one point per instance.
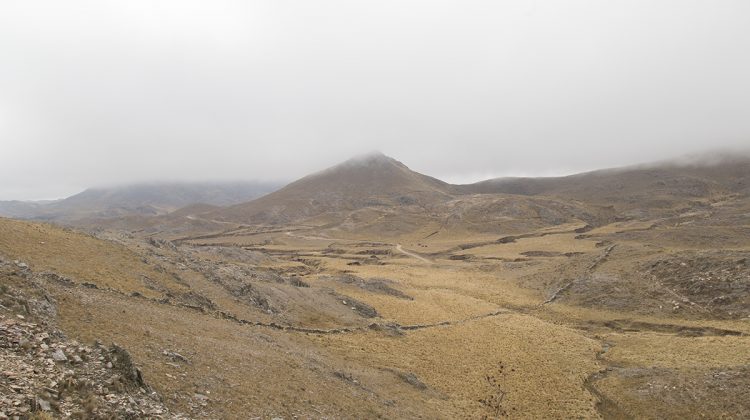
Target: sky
{"x": 104, "y": 92}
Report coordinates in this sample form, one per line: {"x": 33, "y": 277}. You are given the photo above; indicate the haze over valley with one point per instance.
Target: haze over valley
{"x": 193, "y": 223}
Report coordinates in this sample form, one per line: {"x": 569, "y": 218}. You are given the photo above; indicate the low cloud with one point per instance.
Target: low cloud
{"x": 112, "y": 92}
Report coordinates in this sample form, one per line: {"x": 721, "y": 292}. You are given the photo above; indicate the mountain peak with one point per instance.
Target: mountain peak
{"x": 372, "y": 179}
{"x": 370, "y": 158}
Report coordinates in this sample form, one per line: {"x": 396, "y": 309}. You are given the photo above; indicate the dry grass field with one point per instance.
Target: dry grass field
{"x": 298, "y": 322}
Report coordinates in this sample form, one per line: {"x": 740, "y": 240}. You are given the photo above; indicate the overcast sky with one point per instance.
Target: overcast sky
{"x": 106, "y": 92}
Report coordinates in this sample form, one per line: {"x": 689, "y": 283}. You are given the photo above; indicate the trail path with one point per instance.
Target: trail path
{"x": 399, "y": 248}
{"x": 412, "y": 254}
{"x": 310, "y": 238}
{"x": 200, "y": 219}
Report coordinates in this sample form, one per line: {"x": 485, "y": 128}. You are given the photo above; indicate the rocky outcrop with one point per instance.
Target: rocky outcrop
{"x": 43, "y": 373}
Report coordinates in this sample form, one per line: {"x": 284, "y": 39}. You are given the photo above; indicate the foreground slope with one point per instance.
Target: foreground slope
{"x": 219, "y": 332}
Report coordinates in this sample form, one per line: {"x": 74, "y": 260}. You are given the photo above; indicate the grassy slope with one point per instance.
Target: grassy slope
{"x": 81, "y": 257}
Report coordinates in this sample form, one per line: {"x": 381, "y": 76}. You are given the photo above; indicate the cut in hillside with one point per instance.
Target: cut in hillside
{"x": 373, "y": 180}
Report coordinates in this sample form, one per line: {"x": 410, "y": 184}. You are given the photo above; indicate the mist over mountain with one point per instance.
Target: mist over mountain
{"x": 369, "y": 180}
{"x": 559, "y": 227}
{"x": 375, "y": 180}
{"x": 137, "y": 199}
{"x": 680, "y": 177}
{"x": 379, "y": 181}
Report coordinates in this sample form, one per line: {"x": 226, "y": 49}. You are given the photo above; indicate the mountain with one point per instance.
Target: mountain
{"x": 138, "y": 199}
{"x": 22, "y": 209}
{"x": 376, "y": 192}
{"x": 375, "y": 187}
{"x": 372, "y": 180}
{"x": 645, "y": 187}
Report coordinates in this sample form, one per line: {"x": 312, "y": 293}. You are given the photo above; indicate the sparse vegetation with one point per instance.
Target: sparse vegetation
{"x": 403, "y": 308}
{"x": 495, "y": 401}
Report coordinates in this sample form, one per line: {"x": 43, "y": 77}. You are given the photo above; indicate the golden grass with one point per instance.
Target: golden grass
{"x": 540, "y": 356}
{"x": 540, "y": 366}
{"x": 246, "y": 371}
{"x": 670, "y": 351}
{"x": 558, "y": 243}
{"x": 80, "y": 256}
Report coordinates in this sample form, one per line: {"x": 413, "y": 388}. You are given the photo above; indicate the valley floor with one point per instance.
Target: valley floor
{"x": 302, "y": 322}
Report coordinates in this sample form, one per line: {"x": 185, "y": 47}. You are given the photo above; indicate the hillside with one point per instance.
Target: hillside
{"x": 638, "y": 189}
{"x": 135, "y": 200}
{"x": 380, "y": 187}
{"x": 378, "y": 193}
{"x": 373, "y": 180}
{"x": 22, "y": 209}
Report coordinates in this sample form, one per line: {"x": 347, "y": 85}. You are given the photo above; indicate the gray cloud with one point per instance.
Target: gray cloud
{"x": 103, "y": 92}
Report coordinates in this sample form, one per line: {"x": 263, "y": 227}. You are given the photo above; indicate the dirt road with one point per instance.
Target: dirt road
{"x": 412, "y": 254}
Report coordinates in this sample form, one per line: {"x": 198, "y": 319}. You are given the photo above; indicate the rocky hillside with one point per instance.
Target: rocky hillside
{"x": 44, "y": 373}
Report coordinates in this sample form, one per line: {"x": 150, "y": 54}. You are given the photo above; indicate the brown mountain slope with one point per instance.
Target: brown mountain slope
{"x": 135, "y": 200}
{"x": 397, "y": 200}
{"x": 390, "y": 189}
{"x": 648, "y": 188}
{"x": 373, "y": 180}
